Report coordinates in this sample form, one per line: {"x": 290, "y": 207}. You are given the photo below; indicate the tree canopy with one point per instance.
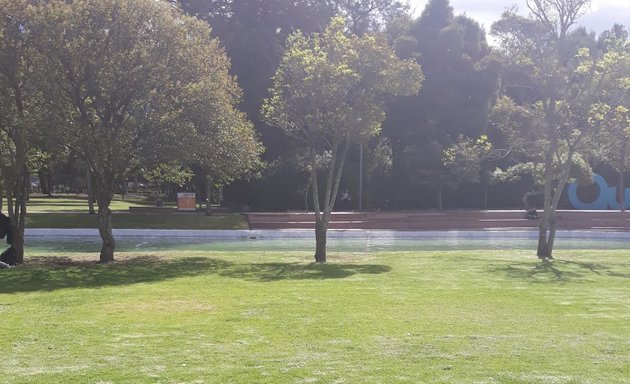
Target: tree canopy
{"x": 565, "y": 80}
{"x": 329, "y": 91}
{"x": 140, "y": 83}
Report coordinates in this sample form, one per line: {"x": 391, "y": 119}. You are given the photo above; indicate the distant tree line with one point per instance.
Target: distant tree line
{"x": 403, "y": 167}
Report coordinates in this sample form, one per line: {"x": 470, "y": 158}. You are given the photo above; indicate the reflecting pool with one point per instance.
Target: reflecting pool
{"x": 55, "y": 245}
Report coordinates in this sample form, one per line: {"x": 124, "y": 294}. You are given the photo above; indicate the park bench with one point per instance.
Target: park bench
{"x": 151, "y": 210}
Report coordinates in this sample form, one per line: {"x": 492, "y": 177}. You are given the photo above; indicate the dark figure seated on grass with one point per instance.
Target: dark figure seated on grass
{"x": 5, "y": 228}
{"x": 8, "y": 256}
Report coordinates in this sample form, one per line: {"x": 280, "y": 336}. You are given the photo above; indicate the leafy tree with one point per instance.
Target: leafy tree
{"x": 616, "y": 150}
{"x": 445, "y": 168}
{"x": 145, "y": 84}
{"x": 615, "y": 107}
{"x": 428, "y": 168}
{"x": 168, "y": 173}
{"x": 330, "y": 90}
{"x": 22, "y": 110}
{"x": 254, "y": 33}
{"x": 229, "y": 151}
{"x": 369, "y": 15}
{"x": 566, "y": 84}
{"x": 514, "y": 131}
{"x": 465, "y": 158}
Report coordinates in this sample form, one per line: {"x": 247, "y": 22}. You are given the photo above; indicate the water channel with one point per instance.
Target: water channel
{"x": 427, "y": 242}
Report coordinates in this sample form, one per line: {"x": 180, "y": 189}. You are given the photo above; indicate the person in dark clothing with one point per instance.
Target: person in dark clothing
{"x": 8, "y": 256}
{"x": 6, "y": 229}
{"x": 345, "y": 201}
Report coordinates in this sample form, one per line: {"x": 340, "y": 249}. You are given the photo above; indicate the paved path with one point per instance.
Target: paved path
{"x": 443, "y": 221}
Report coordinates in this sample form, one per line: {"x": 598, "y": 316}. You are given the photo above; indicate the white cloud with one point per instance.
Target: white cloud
{"x": 601, "y": 15}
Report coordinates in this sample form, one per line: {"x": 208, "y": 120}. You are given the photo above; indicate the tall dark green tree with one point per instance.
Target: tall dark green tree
{"x": 461, "y": 81}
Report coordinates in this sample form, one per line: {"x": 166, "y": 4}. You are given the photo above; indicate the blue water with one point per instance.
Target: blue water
{"x": 130, "y": 244}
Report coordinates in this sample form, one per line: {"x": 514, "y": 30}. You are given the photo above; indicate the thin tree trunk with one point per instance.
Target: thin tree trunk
{"x": 564, "y": 179}
{"x": 50, "y": 181}
{"x": 622, "y": 181}
{"x": 209, "y": 196}
{"x": 306, "y": 193}
{"x": 485, "y": 176}
{"x": 320, "y": 231}
{"x": 551, "y": 239}
{"x": 543, "y": 235}
{"x": 90, "y": 192}
{"x": 44, "y": 182}
{"x": 333, "y": 179}
{"x": 544, "y": 251}
{"x": 105, "y": 227}
{"x": 16, "y": 205}
{"x": 18, "y": 231}
{"x": 552, "y": 197}
{"x": 17, "y": 195}
{"x": 439, "y": 191}
{"x": 321, "y": 228}
{"x": 541, "y": 252}
{"x": 621, "y": 192}
{"x": 18, "y": 183}
{"x": 485, "y": 195}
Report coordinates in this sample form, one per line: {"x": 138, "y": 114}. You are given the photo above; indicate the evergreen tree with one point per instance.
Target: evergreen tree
{"x": 461, "y": 79}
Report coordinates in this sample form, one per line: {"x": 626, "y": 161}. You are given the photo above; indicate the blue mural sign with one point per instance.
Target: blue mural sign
{"x": 607, "y": 198}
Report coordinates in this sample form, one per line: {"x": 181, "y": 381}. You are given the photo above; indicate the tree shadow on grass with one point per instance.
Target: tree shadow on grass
{"x": 295, "y": 271}
{"x": 53, "y": 273}
{"x": 559, "y": 271}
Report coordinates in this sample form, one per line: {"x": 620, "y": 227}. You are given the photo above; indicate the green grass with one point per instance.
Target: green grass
{"x": 79, "y": 203}
{"x": 123, "y": 220}
{"x": 405, "y": 317}
{"x": 71, "y": 212}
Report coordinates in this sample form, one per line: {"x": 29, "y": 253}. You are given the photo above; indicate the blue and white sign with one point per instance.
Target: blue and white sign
{"x": 607, "y": 198}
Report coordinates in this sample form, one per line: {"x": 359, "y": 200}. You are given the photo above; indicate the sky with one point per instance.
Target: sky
{"x": 601, "y": 15}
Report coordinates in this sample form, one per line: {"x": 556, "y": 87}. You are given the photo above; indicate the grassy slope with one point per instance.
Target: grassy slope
{"x": 407, "y": 317}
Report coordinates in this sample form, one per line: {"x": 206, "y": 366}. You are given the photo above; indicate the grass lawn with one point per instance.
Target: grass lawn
{"x": 124, "y": 220}
{"x": 69, "y": 211}
{"x": 266, "y": 317}
{"x": 79, "y": 203}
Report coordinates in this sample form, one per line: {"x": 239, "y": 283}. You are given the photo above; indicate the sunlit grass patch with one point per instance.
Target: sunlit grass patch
{"x": 268, "y": 317}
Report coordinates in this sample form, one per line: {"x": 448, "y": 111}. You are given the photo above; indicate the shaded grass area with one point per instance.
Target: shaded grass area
{"x": 52, "y": 273}
{"x": 125, "y": 221}
{"x": 232, "y": 317}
